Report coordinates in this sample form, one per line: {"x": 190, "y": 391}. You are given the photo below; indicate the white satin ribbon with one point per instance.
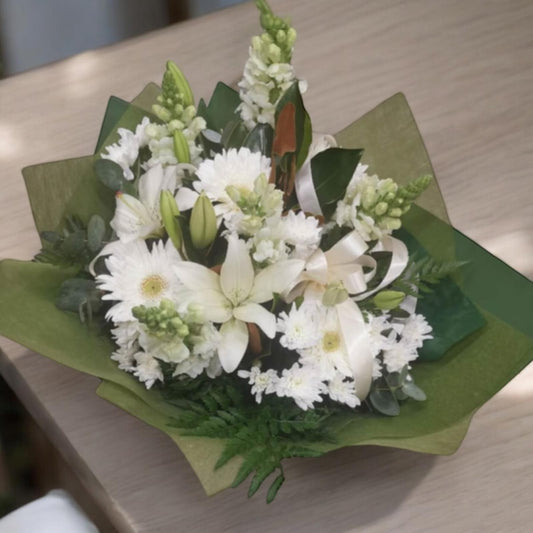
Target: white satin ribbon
{"x": 305, "y": 190}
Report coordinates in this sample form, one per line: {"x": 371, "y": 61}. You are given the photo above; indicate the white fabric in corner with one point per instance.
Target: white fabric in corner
{"x": 56, "y": 512}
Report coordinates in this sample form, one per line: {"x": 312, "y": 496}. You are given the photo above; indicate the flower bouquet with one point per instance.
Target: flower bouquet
{"x": 260, "y": 291}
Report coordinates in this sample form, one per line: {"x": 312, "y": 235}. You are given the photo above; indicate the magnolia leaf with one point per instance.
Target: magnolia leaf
{"x": 234, "y": 134}
{"x": 222, "y": 107}
{"x": 332, "y": 170}
{"x": 260, "y": 139}
{"x": 302, "y": 122}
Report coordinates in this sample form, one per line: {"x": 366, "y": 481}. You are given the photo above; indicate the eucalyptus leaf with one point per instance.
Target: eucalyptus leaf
{"x": 384, "y": 402}
{"x": 96, "y": 233}
{"x": 413, "y": 391}
{"x": 74, "y": 292}
{"x": 110, "y": 174}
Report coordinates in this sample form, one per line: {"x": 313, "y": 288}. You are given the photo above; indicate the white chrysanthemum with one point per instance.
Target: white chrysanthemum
{"x": 125, "y": 152}
{"x": 124, "y": 356}
{"x": 262, "y": 382}
{"x": 302, "y": 384}
{"x": 235, "y": 168}
{"x": 300, "y": 328}
{"x": 377, "y": 325}
{"x": 138, "y": 276}
{"x": 342, "y": 390}
{"x": 302, "y": 232}
{"x": 415, "y": 331}
{"x": 147, "y": 369}
{"x": 126, "y": 334}
{"x": 141, "y": 218}
{"x": 398, "y": 355}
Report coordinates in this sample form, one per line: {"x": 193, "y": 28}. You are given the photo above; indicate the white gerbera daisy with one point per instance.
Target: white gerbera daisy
{"x": 236, "y": 168}
{"x": 138, "y": 276}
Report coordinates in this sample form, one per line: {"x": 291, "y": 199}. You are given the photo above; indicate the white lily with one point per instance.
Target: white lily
{"x": 233, "y": 298}
{"x": 139, "y": 218}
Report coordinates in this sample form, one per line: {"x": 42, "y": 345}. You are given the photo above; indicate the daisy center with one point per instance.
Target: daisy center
{"x": 153, "y": 286}
{"x": 331, "y": 341}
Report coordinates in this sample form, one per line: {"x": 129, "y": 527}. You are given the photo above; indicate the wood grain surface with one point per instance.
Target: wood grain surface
{"x": 467, "y": 71}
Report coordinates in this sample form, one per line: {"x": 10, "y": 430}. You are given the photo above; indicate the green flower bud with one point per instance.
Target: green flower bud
{"x": 169, "y": 213}
{"x": 395, "y": 212}
{"x": 291, "y": 37}
{"x": 256, "y": 43}
{"x": 281, "y": 36}
{"x": 181, "y": 147}
{"x": 334, "y": 294}
{"x": 368, "y": 197}
{"x": 181, "y": 83}
{"x": 388, "y": 299}
{"x": 161, "y": 113}
{"x": 203, "y": 223}
{"x": 381, "y": 208}
{"x": 274, "y": 53}
{"x": 391, "y": 223}
{"x": 234, "y": 193}
{"x": 188, "y": 114}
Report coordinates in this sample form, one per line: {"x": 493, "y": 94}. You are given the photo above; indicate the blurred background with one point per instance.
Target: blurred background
{"x": 36, "y": 32}
{"x": 32, "y": 34}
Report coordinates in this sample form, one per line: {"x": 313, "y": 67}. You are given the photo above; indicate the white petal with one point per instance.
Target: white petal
{"x": 237, "y": 272}
{"x": 110, "y": 248}
{"x": 257, "y": 314}
{"x": 275, "y": 278}
{"x": 216, "y": 307}
{"x": 186, "y": 198}
{"x": 132, "y": 220}
{"x": 150, "y": 186}
{"x": 197, "y": 277}
{"x": 233, "y": 344}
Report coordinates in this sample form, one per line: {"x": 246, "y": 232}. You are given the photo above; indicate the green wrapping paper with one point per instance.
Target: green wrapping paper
{"x": 481, "y": 318}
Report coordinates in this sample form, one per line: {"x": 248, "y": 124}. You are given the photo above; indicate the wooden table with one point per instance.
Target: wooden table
{"x": 467, "y": 71}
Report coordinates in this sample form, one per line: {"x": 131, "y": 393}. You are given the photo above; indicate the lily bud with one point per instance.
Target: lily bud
{"x": 181, "y": 147}
{"x": 388, "y": 299}
{"x": 181, "y": 83}
{"x": 169, "y": 212}
{"x": 203, "y": 223}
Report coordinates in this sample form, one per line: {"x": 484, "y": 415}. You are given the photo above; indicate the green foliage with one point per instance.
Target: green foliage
{"x": 75, "y": 246}
{"x": 303, "y": 129}
{"x": 390, "y": 389}
{"x": 420, "y": 274}
{"x": 262, "y": 434}
{"x": 176, "y": 100}
{"x": 260, "y": 139}
{"x": 221, "y": 108}
{"x": 79, "y": 295}
{"x": 112, "y": 175}
{"x": 332, "y": 170}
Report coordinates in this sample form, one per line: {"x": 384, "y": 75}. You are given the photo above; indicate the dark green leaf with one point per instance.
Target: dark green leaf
{"x": 274, "y": 488}
{"x": 222, "y": 107}
{"x": 260, "y": 139}
{"x": 303, "y": 129}
{"x": 73, "y": 293}
{"x": 261, "y": 474}
{"x": 332, "y": 170}
{"x": 234, "y": 134}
